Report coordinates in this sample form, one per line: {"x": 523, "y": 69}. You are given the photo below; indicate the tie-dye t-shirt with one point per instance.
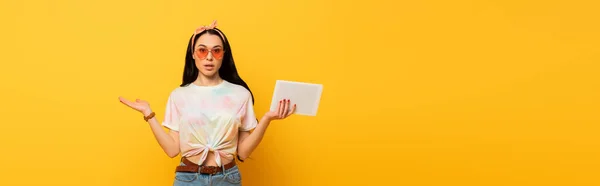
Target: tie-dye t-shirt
{"x": 209, "y": 118}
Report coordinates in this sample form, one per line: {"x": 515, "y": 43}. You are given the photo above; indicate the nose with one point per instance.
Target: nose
{"x": 209, "y": 56}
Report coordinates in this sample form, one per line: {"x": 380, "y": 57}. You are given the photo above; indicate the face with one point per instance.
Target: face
{"x": 208, "y": 54}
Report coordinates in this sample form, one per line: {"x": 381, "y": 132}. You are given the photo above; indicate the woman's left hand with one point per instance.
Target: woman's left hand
{"x": 283, "y": 110}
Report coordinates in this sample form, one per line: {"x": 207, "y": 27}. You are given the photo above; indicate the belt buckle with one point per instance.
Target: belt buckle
{"x": 208, "y": 170}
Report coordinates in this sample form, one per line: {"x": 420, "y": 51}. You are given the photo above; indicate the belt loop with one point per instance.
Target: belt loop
{"x": 224, "y": 173}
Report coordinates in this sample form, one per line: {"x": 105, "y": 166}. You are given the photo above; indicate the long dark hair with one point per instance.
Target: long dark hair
{"x": 227, "y": 71}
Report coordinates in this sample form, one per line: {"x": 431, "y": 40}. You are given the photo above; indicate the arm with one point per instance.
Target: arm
{"x": 168, "y": 141}
{"x": 247, "y": 141}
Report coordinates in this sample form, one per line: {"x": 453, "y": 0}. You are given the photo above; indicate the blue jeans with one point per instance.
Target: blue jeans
{"x": 231, "y": 177}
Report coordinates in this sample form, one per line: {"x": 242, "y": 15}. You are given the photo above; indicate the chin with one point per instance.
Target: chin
{"x": 208, "y": 73}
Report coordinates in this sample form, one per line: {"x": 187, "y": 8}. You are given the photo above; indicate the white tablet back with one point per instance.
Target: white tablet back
{"x": 306, "y": 96}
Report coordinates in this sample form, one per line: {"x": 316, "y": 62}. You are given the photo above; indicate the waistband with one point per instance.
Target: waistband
{"x": 193, "y": 167}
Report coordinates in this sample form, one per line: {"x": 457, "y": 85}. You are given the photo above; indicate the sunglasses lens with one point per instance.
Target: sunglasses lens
{"x": 202, "y": 53}
{"x": 217, "y": 53}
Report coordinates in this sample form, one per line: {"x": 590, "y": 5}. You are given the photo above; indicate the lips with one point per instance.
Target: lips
{"x": 209, "y": 66}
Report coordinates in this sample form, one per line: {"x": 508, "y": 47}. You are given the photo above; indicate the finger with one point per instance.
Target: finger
{"x": 280, "y": 109}
{"x": 127, "y": 102}
{"x": 292, "y": 111}
{"x": 286, "y": 108}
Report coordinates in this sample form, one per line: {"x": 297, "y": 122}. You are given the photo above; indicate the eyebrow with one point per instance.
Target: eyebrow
{"x": 213, "y": 46}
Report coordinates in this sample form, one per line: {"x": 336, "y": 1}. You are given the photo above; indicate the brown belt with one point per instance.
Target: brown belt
{"x": 193, "y": 167}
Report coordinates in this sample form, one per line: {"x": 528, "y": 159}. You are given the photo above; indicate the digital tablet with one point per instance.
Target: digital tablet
{"x": 306, "y": 96}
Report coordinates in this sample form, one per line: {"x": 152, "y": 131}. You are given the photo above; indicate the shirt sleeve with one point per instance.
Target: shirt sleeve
{"x": 172, "y": 114}
{"x": 248, "y": 118}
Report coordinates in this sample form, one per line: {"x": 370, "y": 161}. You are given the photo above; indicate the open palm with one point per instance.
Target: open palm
{"x": 139, "y": 105}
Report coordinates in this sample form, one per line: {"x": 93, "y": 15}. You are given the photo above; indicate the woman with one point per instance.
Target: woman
{"x": 210, "y": 115}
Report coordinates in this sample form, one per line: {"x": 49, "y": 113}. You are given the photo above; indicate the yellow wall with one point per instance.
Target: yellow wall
{"x": 415, "y": 92}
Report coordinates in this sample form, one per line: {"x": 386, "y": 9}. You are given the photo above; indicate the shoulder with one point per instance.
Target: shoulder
{"x": 239, "y": 90}
{"x": 178, "y": 92}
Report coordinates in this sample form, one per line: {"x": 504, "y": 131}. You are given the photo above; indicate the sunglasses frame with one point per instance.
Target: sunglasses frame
{"x": 210, "y": 51}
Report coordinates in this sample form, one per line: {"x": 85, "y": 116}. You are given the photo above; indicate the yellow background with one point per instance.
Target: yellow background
{"x": 415, "y": 92}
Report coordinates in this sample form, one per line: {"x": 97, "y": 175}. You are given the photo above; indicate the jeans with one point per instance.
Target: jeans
{"x": 231, "y": 177}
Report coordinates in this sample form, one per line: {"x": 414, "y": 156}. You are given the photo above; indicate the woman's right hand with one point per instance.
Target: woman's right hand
{"x": 139, "y": 105}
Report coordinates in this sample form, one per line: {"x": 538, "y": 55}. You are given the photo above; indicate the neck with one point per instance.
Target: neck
{"x": 208, "y": 81}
